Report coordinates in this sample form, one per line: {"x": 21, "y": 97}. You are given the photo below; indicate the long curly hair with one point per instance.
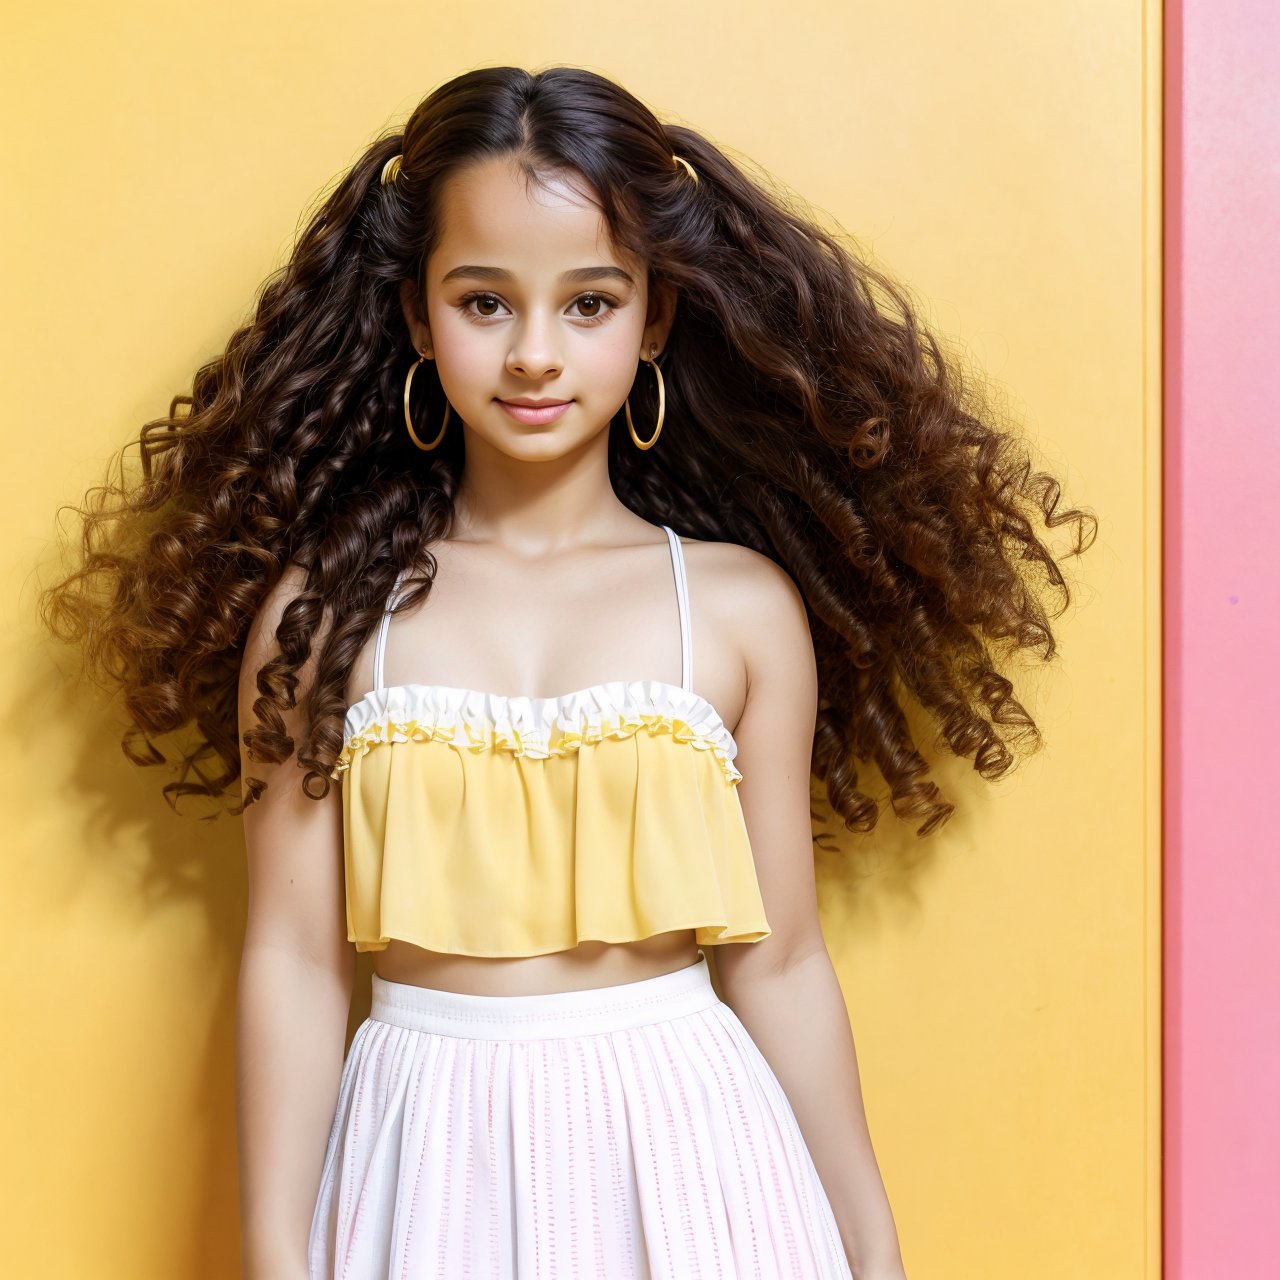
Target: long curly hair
{"x": 810, "y": 416}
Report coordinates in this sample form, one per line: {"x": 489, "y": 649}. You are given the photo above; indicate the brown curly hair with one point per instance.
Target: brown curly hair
{"x": 810, "y": 416}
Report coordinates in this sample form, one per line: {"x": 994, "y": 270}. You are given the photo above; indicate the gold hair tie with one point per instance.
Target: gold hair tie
{"x": 688, "y": 166}
{"x": 391, "y": 170}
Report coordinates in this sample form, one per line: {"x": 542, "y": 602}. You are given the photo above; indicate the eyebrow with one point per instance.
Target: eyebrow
{"x": 576, "y": 276}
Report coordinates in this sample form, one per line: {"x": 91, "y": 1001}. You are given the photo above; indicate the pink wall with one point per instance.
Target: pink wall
{"x": 1222, "y": 639}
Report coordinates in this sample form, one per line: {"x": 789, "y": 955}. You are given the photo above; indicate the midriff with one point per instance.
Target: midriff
{"x": 589, "y": 964}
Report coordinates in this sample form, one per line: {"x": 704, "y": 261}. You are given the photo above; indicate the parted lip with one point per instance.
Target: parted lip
{"x": 531, "y": 403}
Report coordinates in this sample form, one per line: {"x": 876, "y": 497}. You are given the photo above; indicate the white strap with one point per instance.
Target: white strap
{"x": 380, "y": 646}
{"x": 682, "y": 595}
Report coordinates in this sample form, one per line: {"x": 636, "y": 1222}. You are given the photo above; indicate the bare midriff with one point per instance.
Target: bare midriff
{"x": 589, "y": 964}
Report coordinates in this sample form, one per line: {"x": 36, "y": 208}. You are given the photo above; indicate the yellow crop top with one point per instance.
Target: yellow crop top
{"x": 486, "y": 824}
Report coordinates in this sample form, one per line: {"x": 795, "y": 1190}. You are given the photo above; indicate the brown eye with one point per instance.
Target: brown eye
{"x": 471, "y": 303}
{"x": 589, "y": 300}
{"x": 466, "y": 303}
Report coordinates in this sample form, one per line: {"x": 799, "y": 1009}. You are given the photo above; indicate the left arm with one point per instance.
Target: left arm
{"x": 784, "y": 988}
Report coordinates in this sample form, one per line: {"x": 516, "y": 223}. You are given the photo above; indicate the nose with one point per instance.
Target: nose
{"x": 534, "y": 352}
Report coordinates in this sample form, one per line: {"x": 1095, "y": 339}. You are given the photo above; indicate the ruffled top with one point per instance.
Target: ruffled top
{"x": 471, "y": 720}
{"x": 504, "y": 825}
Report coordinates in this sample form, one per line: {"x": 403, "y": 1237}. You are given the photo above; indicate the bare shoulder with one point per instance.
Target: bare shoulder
{"x": 261, "y": 644}
{"x": 271, "y": 609}
{"x": 740, "y": 582}
{"x": 744, "y": 589}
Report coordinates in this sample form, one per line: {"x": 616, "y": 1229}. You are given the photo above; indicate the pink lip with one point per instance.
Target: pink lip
{"x": 535, "y": 415}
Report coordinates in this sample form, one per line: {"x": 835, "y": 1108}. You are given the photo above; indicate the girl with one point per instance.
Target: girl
{"x": 567, "y": 504}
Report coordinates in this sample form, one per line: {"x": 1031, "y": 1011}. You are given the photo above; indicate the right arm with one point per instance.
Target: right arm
{"x": 297, "y": 971}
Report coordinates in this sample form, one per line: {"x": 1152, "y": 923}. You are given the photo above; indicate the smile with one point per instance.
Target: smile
{"x": 535, "y": 415}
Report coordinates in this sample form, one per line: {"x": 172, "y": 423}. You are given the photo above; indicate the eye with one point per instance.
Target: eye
{"x": 464, "y": 304}
{"x": 589, "y": 300}
{"x": 595, "y": 299}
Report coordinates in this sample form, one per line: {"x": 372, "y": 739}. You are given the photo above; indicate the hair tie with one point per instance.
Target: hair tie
{"x": 688, "y": 166}
{"x": 391, "y": 169}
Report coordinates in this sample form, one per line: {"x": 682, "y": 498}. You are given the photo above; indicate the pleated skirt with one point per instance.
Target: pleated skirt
{"x": 633, "y": 1130}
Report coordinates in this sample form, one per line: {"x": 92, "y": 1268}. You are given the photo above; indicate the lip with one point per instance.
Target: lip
{"x": 536, "y": 414}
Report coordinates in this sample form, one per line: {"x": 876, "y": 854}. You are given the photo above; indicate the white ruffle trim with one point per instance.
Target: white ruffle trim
{"x": 537, "y": 727}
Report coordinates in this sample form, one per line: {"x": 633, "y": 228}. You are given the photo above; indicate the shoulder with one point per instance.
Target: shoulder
{"x": 261, "y": 640}
{"x": 743, "y": 588}
{"x": 262, "y": 643}
{"x": 741, "y": 579}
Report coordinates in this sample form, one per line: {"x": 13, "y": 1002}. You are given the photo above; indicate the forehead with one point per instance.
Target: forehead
{"x": 493, "y": 215}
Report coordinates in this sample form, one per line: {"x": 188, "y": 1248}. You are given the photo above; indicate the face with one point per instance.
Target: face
{"x": 528, "y": 299}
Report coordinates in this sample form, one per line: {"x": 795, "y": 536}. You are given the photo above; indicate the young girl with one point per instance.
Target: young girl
{"x": 567, "y": 504}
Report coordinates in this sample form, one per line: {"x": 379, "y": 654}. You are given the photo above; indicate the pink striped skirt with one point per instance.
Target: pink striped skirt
{"x": 622, "y": 1131}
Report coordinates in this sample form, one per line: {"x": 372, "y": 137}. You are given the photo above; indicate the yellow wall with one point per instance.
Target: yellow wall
{"x": 1001, "y": 158}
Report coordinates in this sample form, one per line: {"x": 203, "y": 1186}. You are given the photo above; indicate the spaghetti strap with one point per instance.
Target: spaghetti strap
{"x": 380, "y": 646}
{"x": 682, "y": 595}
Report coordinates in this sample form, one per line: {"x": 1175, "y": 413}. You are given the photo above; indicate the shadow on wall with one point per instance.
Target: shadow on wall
{"x": 119, "y": 838}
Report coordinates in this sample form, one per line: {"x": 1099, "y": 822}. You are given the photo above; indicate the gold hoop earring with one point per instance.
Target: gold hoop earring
{"x": 408, "y": 421}
{"x": 652, "y": 361}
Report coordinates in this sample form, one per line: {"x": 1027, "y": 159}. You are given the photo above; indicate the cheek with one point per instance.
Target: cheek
{"x": 469, "y": 359}
{"x": 615, "y": 357}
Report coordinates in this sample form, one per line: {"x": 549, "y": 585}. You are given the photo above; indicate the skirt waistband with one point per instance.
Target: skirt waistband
{"x": 545, "y": 1014}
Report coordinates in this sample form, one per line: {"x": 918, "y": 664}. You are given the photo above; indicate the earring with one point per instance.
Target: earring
{"x": 408, "y": 420}
{"x": 652, "y": 361}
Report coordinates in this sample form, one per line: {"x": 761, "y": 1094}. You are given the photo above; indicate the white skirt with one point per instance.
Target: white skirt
{"x": 633, "y": 1130}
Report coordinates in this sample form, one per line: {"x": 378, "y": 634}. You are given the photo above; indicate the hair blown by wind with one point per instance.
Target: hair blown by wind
{"x": 810, "y": 416}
